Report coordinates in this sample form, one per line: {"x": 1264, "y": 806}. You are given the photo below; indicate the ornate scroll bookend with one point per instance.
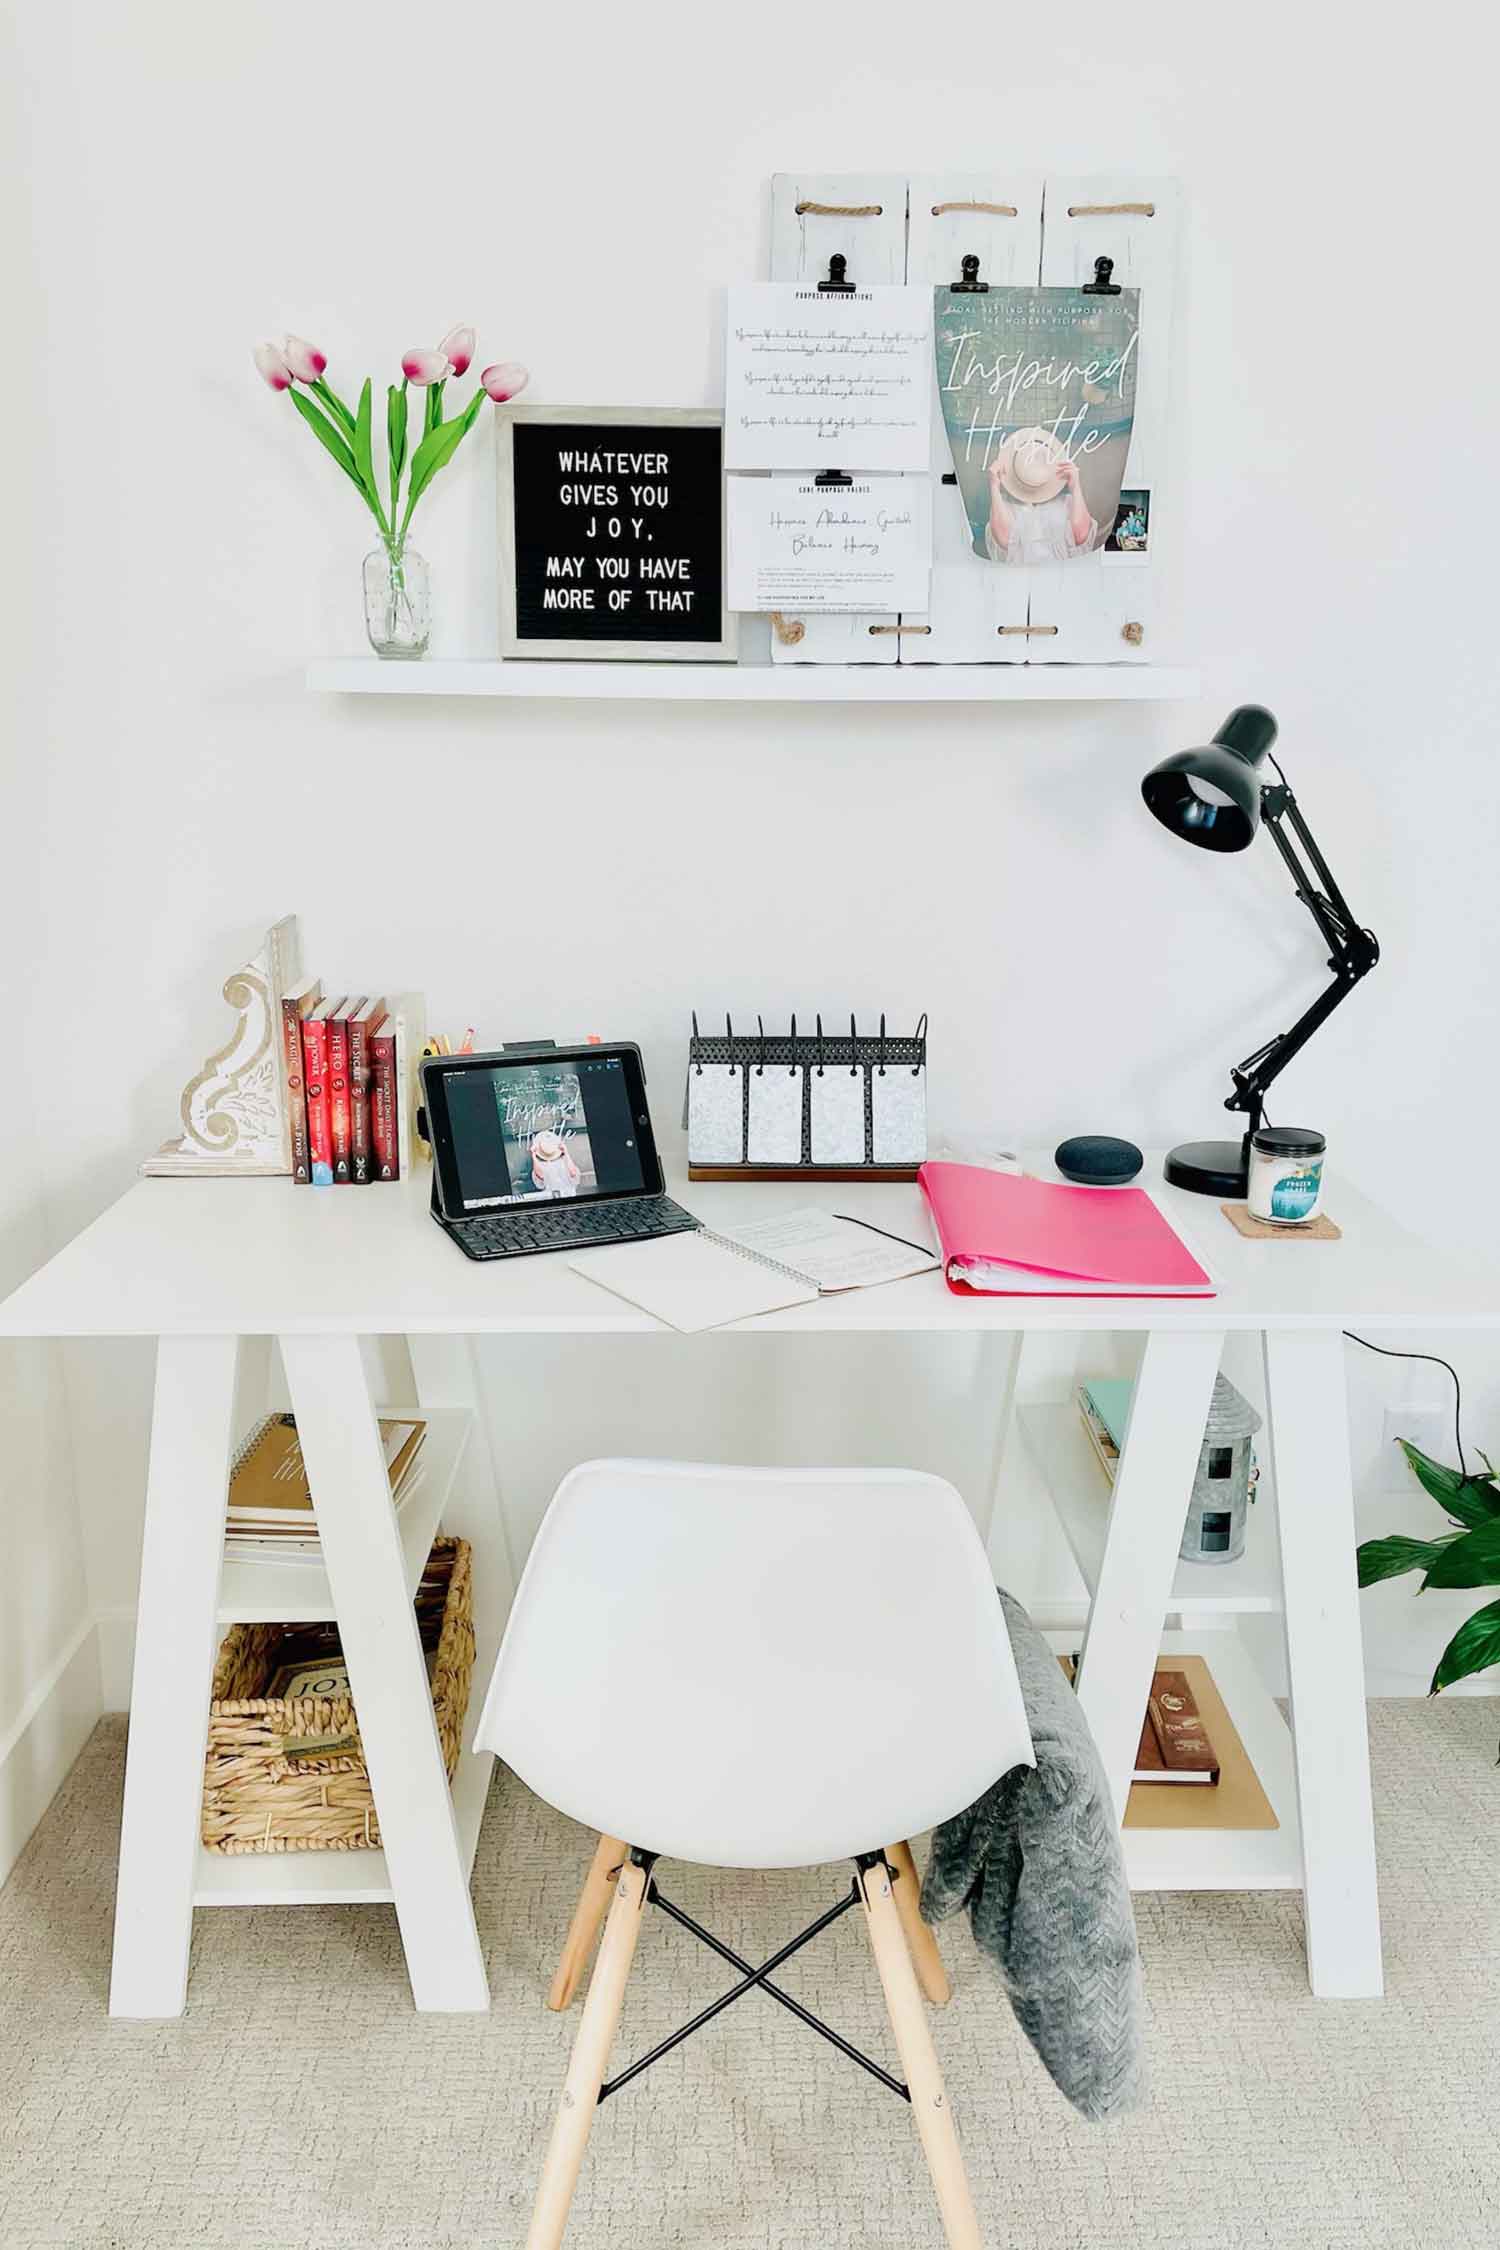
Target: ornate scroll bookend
{"x": 234, "y": 1110}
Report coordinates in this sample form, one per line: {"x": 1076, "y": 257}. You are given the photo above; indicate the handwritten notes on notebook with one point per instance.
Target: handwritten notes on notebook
{"x": 794, "y": 544}
{"x": 822, "y": 382}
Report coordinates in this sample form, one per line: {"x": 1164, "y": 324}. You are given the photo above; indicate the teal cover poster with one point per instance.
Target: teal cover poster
{"x": 1038, "y": 396}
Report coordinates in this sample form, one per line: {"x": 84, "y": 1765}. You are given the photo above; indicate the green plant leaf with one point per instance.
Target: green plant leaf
{"x": 1391, "y": 1558}
{"x": 434, "y": 409}
{"x": 328, "y": 437}
{"x": 1471, "y": 1500}
{"x": 395, "y": 429}
{"x": 1472, "y": 1559}
{"x": 1473, "y": 1648}
{"x": 437, "y": 450}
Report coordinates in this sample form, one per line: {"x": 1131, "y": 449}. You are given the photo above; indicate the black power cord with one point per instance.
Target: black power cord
{"x": 1432, "y": 1360}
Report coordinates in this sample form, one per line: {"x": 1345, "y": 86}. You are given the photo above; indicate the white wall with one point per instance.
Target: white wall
{"x": 581, "y": 184}
{"x": 49, "y": 1668}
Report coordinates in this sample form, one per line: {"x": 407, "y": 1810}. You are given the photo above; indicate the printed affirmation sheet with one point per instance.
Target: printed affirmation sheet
{"x": 827, "y": 382}
{"x": 861, "y": 546}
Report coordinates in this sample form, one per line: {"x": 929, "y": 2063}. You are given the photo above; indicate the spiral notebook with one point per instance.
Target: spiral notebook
{"x": 707, "y": 1280}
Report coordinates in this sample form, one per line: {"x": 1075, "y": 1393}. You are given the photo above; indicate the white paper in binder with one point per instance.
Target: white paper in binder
{"x": 775, "y": 1130}
{"x": 838, "y": 1113}
{"x": 716, "y": 1113}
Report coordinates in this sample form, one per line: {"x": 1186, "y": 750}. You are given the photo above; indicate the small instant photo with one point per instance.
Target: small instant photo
{"x": 1130, "y": 534}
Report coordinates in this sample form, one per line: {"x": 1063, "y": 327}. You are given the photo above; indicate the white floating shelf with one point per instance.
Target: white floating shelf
{"x": 272, "y": 1593}
{"x": 1080, "y": 1493}
{"x": 623, "y": 682}
{"x": 335, "y": 1878}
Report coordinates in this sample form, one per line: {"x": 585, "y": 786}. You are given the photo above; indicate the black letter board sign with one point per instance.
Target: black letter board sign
{"x": 612, "y": 532}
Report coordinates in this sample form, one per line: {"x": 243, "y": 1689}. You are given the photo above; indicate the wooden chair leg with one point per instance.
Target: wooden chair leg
{"x": 924, "y": 2080}
{"x": 596, "y": 2031}
{"x": 926, "y": 1959}
{"x": 588, "y": 1920}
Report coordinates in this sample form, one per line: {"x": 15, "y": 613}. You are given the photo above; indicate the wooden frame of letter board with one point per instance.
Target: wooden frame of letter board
{"x": 610, "y": 417}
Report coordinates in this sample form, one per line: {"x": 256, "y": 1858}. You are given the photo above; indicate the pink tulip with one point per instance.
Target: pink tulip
{"x": 457, "y": 348}
{"x": 506, "y": 379}
{"x": 304, "y": 359}
{"x": 273, "y": 367}
{"x": 422, "y": 368}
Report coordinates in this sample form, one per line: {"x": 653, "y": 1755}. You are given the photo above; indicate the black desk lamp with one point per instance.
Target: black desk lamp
{"x": 1215, "y": 797}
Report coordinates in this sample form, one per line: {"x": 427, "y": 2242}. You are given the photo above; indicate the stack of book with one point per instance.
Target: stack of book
{"x": 270, "y": 1514}
{"x": 348, "y": 1066}
{"x": 1104, "y": 1407}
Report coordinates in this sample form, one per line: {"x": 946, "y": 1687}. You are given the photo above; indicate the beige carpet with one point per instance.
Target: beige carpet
{"x": 301, "y": 2104}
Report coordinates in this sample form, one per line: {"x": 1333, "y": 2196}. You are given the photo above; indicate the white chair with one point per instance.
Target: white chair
{"x": 754, "y": 1668}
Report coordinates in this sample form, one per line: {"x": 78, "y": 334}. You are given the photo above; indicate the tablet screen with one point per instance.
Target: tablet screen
{"x": 542, "y": 1131}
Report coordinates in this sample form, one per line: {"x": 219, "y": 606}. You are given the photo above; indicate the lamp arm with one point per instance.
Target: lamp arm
{"x": 1353, "y": 951}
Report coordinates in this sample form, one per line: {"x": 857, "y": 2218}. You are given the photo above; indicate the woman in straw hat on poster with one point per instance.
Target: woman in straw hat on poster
{"x": 1037, "y": 509}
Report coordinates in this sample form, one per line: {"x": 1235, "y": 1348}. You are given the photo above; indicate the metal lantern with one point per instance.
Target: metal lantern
{"x": 1226, "y": 1473}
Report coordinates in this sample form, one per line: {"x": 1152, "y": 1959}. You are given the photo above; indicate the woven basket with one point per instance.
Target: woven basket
{"x": 256, "y": 1798}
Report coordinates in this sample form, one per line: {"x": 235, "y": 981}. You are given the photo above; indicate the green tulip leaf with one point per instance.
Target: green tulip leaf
{"x": 1472, "y": 1559}
{"x": 434, "y": 409}
{"x": 395, "y": 428}
{"x": 364, "y": 456}
{"x": 1473, "y": 1648}
{"x": 328, "y": 437}
{"x": 335, "y": 406}
{"x": 437, "y": 450}
{"x": 1393, "y": 1557}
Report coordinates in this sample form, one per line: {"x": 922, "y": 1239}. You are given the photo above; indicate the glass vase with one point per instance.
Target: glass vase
{"x": 398, "y": 604}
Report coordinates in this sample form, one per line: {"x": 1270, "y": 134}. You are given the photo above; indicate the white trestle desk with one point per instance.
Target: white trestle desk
{"x": 216, "y": 1268}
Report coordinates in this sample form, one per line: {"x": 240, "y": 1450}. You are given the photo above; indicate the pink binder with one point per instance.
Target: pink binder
{"x": 1010, "y": 1237}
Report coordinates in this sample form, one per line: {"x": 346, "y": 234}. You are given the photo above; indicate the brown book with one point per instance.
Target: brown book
{"x": 1181, "y": 1738}
{"x": 296, "y": 1004}
{"x": 360, "y": 1026}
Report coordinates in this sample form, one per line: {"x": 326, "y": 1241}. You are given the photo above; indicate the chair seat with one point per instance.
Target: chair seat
{"x": 756, "y": 1667}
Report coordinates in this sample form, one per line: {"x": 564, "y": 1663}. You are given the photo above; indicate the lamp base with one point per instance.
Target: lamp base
{"x": 1209, "y": 1168}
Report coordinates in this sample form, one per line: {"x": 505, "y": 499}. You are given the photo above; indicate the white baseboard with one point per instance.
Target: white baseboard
{"x": 54, "y": 1723}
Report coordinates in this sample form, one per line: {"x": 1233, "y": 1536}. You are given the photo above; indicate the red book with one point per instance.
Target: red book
{"x": 384, "y": 1141}
{"x": 338, "y": 1090}
{"x": 296, "y": 1004}
{"x": 361, "y": 1169}
{"x": 319, "y": 1113}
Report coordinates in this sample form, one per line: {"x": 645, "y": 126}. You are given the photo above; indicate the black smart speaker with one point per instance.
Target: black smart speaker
{"x": 1097, "y": 1160}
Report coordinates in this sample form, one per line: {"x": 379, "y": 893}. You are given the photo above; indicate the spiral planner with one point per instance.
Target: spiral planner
{"x": 806, "y": 1106}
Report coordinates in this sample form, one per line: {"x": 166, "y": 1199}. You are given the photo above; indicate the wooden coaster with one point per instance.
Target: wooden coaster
{"x": 1264, "y": 1230}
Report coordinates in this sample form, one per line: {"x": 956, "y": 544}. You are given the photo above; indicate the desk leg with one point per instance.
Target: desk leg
{"x": 1309, "y": 1434}
{"x": 176, "y": 1636}
{"x": 1153, "y": 1484}
{"x": 387, "y": 1675}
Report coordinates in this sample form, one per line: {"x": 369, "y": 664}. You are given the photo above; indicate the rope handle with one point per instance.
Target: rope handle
{"x": 996, "y": 210}
{"x": 1111, "y": 210}
{"x": 840, "y": 210}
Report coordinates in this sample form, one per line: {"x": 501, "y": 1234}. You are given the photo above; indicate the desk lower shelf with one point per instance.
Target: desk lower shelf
{"x": 273, "y": 1593}
{"x": 1080, "y": 1494}
{"x": 334, "y": 1878}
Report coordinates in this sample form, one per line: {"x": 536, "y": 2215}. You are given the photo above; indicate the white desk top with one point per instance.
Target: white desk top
{"x": 260, "y": 1257}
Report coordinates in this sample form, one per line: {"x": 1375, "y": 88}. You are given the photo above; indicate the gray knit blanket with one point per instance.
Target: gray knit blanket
{"x": 1038, "y": 1863}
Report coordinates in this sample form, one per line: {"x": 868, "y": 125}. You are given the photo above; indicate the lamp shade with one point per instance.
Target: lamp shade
{"x": 1212, "y": 796}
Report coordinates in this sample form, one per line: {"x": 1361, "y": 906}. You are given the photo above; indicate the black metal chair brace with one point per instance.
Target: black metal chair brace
{"x": 757, "y": 1979}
